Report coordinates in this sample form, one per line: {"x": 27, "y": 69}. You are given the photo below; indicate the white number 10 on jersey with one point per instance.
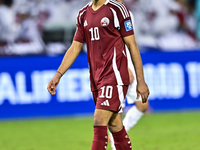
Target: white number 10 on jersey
{"x": 94, "y": 33}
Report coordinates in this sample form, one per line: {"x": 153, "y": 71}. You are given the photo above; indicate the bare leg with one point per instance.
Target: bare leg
{"x": 122, "y": 141}
{"x": 132, "y": 117}
{"x": 100, "y": 122}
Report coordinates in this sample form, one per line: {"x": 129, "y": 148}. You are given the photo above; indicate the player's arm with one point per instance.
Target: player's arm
{"x": 142, "y": 87}
{"x": 67, "y": 61}
{"x": 70, "y": 56}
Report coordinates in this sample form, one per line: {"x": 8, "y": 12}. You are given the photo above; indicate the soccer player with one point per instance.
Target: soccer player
{"x": 105, "y": 26}
{"x": 136, "y": 111}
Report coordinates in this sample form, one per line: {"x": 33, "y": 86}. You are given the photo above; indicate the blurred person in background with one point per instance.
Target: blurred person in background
{"x": 134, "y": 114}
{"x": 188, "y": 23}
{"x": 8, "y": 26}
{"x": 140, "y": 10}
{"x": 158, "y": 25}
{"x": 39, "y": 10}
{"x": 197, "y": 13}
{"x": 28, "y": 31}
{"x": 28, "y": 39}
{"x": 60, "y": 23}
{"x": 62, "y": 20}
{"x": 183, "y": 38}
{"x": 154, "y": 20}
{"x": 18, "y": 27}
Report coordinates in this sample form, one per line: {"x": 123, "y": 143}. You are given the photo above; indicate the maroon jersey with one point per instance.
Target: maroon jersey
{"x": 103, "y": 31}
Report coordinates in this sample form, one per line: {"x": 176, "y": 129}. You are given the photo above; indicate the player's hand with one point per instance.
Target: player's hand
{"x": 143, "y": 90}
{"x": 53, "y": 84}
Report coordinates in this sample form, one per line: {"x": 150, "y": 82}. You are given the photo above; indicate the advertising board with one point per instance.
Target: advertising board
{"x": 173, "y": 80}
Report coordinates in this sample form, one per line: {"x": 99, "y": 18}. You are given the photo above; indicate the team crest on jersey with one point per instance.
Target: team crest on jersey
{"x": 105, "y": 21}
{"x": 128, "y": 25}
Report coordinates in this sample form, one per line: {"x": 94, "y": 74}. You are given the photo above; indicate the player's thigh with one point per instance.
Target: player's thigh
{"x": 101, "y": 117}
{"x": 142, "y": 106}
{"x": 115, "y": 124}
{"x": 95, "y": 95}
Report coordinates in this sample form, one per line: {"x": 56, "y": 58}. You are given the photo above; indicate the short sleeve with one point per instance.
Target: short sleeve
{"x": 126, "y": 25}
{"x": 79, "y": 34}
{"x": 133, "y": 20}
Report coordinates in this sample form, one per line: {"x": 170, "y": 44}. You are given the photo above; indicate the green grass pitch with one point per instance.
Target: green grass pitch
{"x": 156, "y": 131}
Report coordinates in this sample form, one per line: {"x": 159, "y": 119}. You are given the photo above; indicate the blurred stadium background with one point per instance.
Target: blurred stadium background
{"x": 34, "y": 35}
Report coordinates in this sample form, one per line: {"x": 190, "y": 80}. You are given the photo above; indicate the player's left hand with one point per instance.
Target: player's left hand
{"x": 143, "y": 90}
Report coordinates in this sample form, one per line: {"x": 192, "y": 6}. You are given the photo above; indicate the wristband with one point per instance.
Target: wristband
{"x": 60, "y": 73}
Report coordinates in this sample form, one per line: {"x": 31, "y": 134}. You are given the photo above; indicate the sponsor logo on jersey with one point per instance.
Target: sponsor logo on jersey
{"x": 105, "y": 103}
{"x": 85, "y": 23}
{"x": 105, "y": 21}
{"x": 128, "y": 25}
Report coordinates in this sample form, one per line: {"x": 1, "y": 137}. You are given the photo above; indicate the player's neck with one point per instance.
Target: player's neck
{"x": 97, "y": 4}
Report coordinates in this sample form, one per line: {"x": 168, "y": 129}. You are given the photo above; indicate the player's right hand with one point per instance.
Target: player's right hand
{"x": 53, "y": 84}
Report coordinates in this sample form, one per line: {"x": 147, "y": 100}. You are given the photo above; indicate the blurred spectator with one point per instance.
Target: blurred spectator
{"x": 164, "y": 24}
{"x": 8, "y": 25}
{"x": 183, "y": 38}
{"x": 28, "y": 30}
{"x": 48, "y": 26}
{"x": 153, "y": 19}
{"x": 198, "y": 18}
{"x": 28, "y": 40}
{"x": 61, "y": 23}
{"x": 187, "y": 18}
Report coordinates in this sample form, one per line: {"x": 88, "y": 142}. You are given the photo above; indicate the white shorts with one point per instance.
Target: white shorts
{"x": 132, "y": 94}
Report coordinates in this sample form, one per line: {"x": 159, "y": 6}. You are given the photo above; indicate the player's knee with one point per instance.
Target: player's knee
{"x": 115, "y": 128}
{"x": 98, "y": 121}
